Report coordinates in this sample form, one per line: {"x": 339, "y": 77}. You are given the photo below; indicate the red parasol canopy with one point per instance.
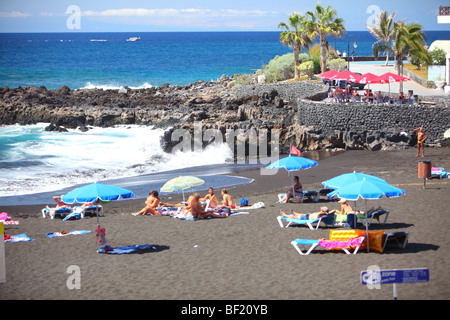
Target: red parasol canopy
{"x": 390, "y": 77}
{"x": 345, "y": 75}
{"x": 366, "y": 78}
{"x": 327, "y": 74}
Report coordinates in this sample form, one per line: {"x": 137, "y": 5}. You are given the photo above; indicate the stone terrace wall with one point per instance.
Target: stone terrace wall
{"x": 332, "y": 117}
{"x": 288, "y": 91}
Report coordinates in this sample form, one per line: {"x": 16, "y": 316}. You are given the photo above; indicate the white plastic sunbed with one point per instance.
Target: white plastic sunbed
{"x": 328, "y": 220}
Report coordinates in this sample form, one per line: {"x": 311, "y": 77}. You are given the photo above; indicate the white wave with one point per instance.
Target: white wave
{"x": 105, "y": 86}
{"x": 47, "y": 161}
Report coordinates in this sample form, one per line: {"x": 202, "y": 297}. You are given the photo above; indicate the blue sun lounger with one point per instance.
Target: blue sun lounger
{"x": 374, "y": 215}
{"x": 328, "y": 220}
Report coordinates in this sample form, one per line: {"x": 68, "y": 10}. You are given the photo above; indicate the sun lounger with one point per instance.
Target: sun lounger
{"x": 301, "y": 197}
{"x": 396, "y": 239}
{"x": 375, "y": 214}
{"x": 54, "y": 211}
{"x": 346, "y": 246}
{"x": 439, "y": 172}
{"x": 328, "y": 220}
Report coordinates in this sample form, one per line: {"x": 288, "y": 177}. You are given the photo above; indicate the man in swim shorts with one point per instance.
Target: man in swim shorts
{"x": 421, "y": 137}
{"x": 307, "y": 216}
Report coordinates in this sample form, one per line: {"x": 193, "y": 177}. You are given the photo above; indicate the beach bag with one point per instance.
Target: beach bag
{"x": 244, "y": 202}
{"x": 224, "y": 210}
{"x": 351, "y": 220}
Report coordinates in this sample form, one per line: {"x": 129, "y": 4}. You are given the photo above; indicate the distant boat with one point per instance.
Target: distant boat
{"x": 134, "y": 39}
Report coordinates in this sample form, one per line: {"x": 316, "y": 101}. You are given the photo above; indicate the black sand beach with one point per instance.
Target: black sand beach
{"x": 243, "y": 257}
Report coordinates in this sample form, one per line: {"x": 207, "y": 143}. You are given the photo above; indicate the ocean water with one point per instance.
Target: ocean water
{"x": 107, "y": 60}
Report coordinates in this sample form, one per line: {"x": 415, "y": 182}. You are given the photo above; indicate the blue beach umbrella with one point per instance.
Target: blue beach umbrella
{"x": 292, "y": 164}
{"x": 96, "y": 192}
{"x": 367, "y": 189}
{"x": 348, "y": 178}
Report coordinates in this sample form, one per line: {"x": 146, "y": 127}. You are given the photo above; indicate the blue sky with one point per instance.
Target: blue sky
{"x": 199, "y": 15}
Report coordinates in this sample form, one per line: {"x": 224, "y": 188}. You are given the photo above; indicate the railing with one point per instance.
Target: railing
{"x": 444, "y": 11}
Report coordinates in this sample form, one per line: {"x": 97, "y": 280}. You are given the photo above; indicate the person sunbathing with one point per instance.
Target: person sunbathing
{"x": 151, "y": 204}
{"x": 297, "y": 189}
{"x": 308, "y": 216}
{"x": 346, "y": 208}
{"x": 59, "y": 202}
{"x": 213, "y": 200}
{"x": 198, "y": 211}
{"x": 227, "y": 200}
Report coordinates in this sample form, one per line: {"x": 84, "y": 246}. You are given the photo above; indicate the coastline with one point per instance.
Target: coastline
{"x": 245, "y": 257}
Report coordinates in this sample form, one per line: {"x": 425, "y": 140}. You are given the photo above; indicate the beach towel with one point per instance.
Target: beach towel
{"x": 18, "y": 238}
{"x": 125, "y": 249}
{"x": 7, "y": 219}
{"x": 257, "y": 205}
{"x": 65, "y": 233}
{"x": 334, "y": 244}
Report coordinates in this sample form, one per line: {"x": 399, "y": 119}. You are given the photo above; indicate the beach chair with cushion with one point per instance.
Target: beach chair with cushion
{"x": 439, "y": 172}
{"x": 328, "y": 220}
{"x": 374, "y": 214}
{"x": 52, "y": 212}
{"x": 301, "y": 197}
{"x": 353, "y": 243}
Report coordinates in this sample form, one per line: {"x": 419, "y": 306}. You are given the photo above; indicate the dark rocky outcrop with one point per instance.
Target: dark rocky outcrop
{"x": 290, "y": 108}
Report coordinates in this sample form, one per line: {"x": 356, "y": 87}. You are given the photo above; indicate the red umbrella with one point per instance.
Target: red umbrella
{"x": 327, "y": 74}
{"x": 345, "y": 75}
{"x": 366, "y": 78}
{"x": 390, "y": 77}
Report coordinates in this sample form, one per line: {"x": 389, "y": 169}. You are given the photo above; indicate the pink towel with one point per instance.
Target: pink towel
{"x": 328, "y": 244}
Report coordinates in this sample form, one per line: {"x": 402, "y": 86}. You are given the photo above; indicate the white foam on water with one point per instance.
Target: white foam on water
{"x": 35, "y": 160}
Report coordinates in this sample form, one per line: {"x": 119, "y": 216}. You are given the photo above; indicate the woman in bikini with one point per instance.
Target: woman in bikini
{"x": 298, "y": 190}
{"x": 151, "y": 204}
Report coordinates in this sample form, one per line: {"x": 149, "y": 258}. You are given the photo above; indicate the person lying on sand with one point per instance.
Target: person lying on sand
{"x": 151, "y": 204}
{"x": 307, "y": 216}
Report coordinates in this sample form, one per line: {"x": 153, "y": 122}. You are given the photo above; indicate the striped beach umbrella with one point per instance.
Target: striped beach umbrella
{"x": 181, "y": 183}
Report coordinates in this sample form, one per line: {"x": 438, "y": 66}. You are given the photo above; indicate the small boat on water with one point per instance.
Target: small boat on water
{"x": 134, "y": 39}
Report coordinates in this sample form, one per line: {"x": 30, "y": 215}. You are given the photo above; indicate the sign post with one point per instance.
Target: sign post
{"x": 377, "y": 277}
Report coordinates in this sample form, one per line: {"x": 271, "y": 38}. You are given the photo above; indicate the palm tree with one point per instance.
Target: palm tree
{"x": 408, "y": 39}
{"x": 324, "y": 22}
{"x": 384, "y": 30}
{"x": 296, "y": 36}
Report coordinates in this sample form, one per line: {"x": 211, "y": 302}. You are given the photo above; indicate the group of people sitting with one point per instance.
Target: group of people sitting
{"x": 350, "y": 94}
{"x": 195, "y": 206}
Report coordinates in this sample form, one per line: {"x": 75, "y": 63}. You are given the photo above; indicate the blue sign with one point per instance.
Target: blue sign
{"x": 395, "y": 276}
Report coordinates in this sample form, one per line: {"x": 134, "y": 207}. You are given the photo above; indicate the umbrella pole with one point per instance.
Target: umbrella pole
{"x": 367, "y": 227}
{"x": 98, "y": 224}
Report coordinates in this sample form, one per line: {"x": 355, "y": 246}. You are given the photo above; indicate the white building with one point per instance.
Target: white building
{"x": 444, "y": 17}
